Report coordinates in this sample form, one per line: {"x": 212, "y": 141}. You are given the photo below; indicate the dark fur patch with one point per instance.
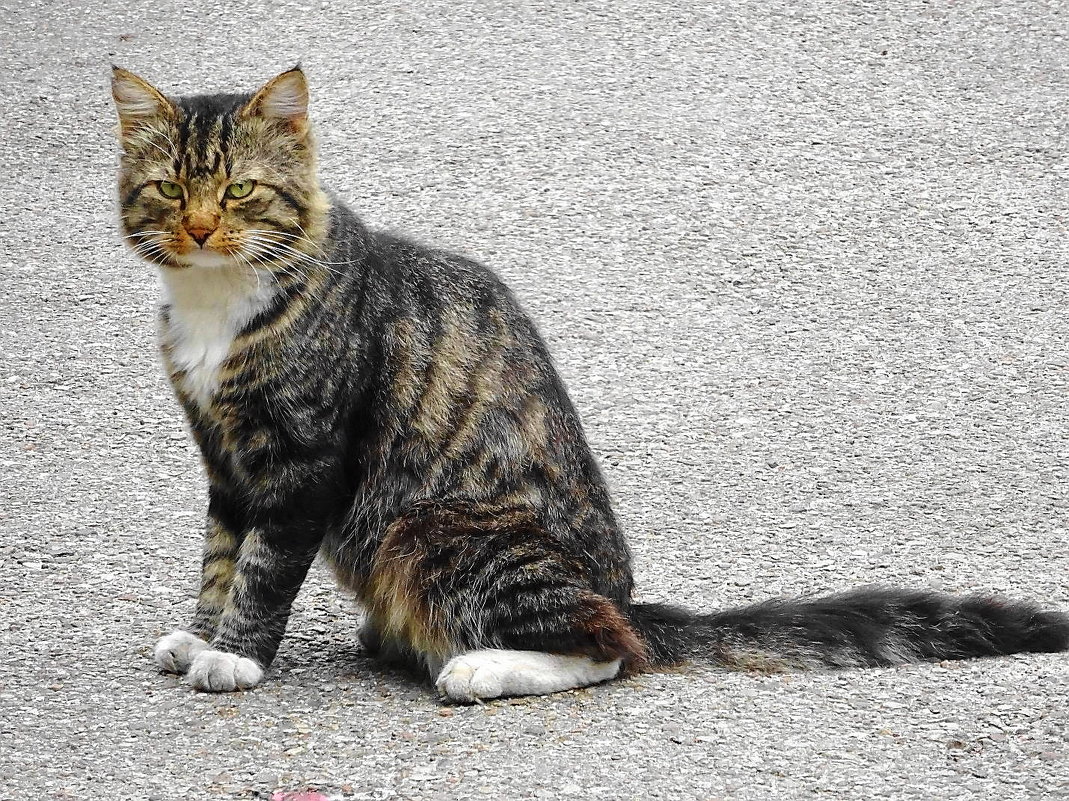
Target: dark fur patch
{"x": 870, "y": 626}
{"x": 486, "y": 577}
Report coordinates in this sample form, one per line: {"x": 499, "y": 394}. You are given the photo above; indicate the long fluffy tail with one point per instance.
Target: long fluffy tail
{"x": 867, "y": 627}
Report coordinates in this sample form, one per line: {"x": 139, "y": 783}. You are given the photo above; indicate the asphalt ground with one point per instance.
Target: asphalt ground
{"x": 803, "y": 267}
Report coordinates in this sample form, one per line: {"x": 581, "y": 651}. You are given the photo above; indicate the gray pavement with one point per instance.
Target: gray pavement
{"x": 804, "y": 268}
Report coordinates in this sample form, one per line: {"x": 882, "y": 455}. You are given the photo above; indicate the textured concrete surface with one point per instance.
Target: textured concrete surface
{"x": 804, "y": 268}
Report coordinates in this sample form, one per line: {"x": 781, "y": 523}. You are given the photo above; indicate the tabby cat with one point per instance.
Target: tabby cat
{"x": 390, "y": 407}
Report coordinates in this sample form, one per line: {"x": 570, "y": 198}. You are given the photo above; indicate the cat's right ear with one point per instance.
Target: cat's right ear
{"x": 283, "y": 99}
{"x": 137, "y": 101}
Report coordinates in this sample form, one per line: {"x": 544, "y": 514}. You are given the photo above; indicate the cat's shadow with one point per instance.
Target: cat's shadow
{"x": 330, "y": 659}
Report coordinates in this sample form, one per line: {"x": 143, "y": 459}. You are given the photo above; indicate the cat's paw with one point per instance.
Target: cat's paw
{"x": 175, "y": 652}
{"x": 220, "y": 672}
{"x": 468, "y": 678}
{"x": 492, "y": 673}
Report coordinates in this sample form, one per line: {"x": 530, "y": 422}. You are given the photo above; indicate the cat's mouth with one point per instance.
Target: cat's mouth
{"x": 165, "y": 249}
{"x": 205, "y": 258}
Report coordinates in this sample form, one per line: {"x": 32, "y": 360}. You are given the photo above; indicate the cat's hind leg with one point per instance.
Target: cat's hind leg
{"x": 494, "y": 673}
{"x": 497, "y": 606}
{"x": 542, "y": 642}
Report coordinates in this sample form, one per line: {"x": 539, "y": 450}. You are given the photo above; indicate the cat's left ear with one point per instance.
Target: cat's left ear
{"x": 138, "y": 102}
{"x": 283, "y": 99}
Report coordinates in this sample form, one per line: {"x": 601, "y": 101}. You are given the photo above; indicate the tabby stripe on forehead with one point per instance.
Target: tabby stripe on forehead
{"x": 201, "y": 146}
{"x": 192, "y": 141}
{"x": 226, "y": 126}
{"x": 183, "y": 140}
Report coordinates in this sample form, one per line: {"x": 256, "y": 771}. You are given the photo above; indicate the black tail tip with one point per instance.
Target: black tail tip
{"x": 1014, "y": 627}
{"x": 1048, "y": 633}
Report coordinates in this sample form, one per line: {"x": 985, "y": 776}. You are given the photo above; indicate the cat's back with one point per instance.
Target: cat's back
{"x": 452, "y": 308}
{"x": 465, "y": 386}
{"x": 434, "y": 278}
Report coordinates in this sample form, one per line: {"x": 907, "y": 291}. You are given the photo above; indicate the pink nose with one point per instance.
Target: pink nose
{"x": 199, "y": 233}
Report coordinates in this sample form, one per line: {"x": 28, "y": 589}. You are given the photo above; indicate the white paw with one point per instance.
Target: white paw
{"x": 492, "y": 673}
{"x": 468, "y": 679}
{"x": 175, "y": 652}
{"x": 220, "y": 672}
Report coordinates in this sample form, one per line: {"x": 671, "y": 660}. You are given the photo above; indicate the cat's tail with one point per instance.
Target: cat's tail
{"x": 867, "y": 627}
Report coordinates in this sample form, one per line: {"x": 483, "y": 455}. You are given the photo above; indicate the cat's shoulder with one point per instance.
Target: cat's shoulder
{"x": 445, "y": 269}
{"x": 404, "y": 250}
{"x": 419, "y": 269}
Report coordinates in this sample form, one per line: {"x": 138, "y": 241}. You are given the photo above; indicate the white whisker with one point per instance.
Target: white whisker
{"x": 302, "y": 256}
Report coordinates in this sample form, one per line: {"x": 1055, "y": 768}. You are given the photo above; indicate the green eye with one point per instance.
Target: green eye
{"x": 170, "y": 190}
{"x": 240, "y": 189}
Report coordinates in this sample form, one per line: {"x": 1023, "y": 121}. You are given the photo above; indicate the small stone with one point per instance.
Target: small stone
{"x": 265, "y": 779}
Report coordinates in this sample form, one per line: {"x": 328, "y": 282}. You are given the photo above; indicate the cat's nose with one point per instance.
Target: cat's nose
{"x": 199, "y": 234}
{"x": 200, "y": 224}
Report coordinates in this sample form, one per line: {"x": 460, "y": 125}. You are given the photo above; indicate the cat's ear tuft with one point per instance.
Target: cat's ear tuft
{"x": 283, "y": 99}
{"x": 137, "y": 101}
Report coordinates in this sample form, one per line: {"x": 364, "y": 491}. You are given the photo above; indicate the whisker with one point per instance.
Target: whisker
{"x": 304, "y": 238}
{"x": 308, "y": 238}
{"x": 264, "y": 257}
{"x": 144, "y": 233}
{"x": 302, "y": 256}
{"x": 256, "y": 273}
{"x": 284, "y": 269}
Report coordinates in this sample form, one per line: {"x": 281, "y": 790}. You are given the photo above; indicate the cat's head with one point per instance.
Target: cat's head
{"x": 219, "y": 181}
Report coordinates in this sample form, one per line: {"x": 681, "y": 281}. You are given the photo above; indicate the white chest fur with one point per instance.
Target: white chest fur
{"x": 208, "y": 306}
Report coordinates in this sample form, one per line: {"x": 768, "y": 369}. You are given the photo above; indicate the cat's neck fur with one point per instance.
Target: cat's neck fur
{"x": 204, "y": 309}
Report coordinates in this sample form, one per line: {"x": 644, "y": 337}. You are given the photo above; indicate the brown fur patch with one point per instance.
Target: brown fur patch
{"x": 396, "y": 592}
{"x": 464, "y": 518}
{"x": 395, "y": 597}
{"x": 218, "y": 566}
{"x": 610, "y": 632}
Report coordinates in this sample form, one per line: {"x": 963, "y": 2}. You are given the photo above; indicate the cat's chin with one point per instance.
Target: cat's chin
{"x": 205, "y": 258}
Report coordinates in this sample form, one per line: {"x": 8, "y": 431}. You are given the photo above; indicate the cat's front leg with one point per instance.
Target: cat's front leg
{"x": 272, "y": 562}
{"x": 176, "y": 651}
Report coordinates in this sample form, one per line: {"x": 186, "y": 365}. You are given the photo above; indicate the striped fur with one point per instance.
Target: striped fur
{"x": 390, "y": 406}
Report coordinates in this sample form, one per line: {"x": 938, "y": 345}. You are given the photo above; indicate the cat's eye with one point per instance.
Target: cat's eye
{"x": 240, "y": 189}
{"x": 169, "y": 189}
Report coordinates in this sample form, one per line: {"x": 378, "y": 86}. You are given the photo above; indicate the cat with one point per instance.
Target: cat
{"x": 390, "y": 407}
